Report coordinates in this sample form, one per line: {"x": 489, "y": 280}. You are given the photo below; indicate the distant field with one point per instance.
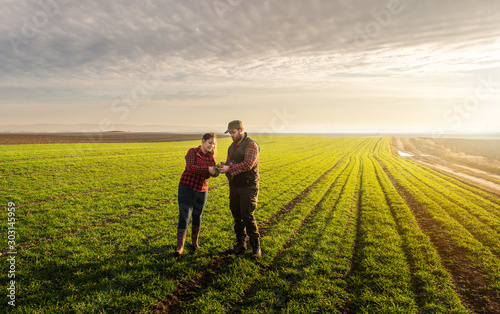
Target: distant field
{"x": 109, "y": 137}
{"x": 487, "y": 148}
{"x": 477, "y": 153}
{"x": 347, "y": 227}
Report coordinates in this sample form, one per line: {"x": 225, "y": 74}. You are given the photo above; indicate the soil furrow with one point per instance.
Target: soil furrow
{"x": 469, "y": 280}
{"x": 442, "y": 166}
{"x": 186, "y": 290}
{"x": 355, "y": 256}
{"x": 290, "y": 205}
{"x": 411, "y": 262}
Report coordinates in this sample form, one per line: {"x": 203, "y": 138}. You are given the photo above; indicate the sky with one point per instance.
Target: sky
{"x": 279, "y": 66}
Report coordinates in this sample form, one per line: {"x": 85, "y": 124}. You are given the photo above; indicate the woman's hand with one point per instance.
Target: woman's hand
{"x": 212, "y": 170}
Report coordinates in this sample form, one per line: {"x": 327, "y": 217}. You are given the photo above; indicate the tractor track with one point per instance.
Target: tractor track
{"x": 469, "y": 280}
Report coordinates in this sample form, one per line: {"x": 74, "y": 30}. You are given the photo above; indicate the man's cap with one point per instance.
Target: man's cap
{"x": 235, "y": 124}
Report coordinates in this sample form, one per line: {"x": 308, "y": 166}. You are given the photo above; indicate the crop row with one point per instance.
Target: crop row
{"x": 477, "y": 215}
{"x": 431, "y": 282}
{"x": 457, "y": 225}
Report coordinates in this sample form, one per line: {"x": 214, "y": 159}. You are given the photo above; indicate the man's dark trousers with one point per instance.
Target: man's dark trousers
{"x": 243, "y": 202}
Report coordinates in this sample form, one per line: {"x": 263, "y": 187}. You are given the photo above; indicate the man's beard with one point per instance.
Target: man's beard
{"x": 238, "y": 138}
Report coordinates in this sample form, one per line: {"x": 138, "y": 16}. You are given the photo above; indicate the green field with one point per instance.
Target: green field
{"x": 347, "y": 227}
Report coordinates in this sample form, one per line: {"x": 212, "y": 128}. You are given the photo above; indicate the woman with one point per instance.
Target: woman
{"x": 193, "y": 189}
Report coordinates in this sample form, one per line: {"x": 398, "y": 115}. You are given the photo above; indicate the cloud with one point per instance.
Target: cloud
{"x": 68, "y": 50}
{"x": 119, "y": 39}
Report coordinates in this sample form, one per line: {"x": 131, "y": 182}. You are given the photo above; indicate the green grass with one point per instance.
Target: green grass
{"x": 96, "y": 230}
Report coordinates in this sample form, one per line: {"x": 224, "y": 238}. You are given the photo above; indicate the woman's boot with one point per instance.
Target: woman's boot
{"x": 181, "y": 238}
{"x": 195, "y": 233}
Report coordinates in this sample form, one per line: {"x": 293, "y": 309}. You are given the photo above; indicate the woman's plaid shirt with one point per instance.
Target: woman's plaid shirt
{"x": 196, "y": 174}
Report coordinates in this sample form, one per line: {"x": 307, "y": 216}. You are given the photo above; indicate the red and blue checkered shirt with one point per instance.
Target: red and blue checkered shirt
{"x": 196, "y": 174}
{"x": 251, "y": 155}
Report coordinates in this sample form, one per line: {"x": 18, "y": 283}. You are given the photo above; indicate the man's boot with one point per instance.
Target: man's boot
{"x": 181, "y": 238}
{"x": 195, "y": 233}
{"x": 256, "y": 251}
{"x": 240, "y": 247}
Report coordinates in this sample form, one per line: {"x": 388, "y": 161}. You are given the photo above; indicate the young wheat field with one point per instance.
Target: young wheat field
{"x": 347, "y": 226}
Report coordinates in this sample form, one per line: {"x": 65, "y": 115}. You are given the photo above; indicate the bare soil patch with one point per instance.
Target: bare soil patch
{"x": 187, "y": 289}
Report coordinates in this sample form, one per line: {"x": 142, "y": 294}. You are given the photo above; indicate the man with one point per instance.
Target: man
{"x": 242, "y": 170}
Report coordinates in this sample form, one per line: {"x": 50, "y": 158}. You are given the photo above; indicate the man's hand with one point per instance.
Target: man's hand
{"x": 224, "y": 169}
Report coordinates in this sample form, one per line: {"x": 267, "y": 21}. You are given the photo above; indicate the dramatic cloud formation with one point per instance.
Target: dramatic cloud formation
{"x": 320, "y": 65}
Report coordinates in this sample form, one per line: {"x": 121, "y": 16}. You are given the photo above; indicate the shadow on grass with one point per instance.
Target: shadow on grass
{"x": 131, "y": 280}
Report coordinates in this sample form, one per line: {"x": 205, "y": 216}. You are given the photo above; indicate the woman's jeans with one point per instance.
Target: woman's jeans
{"x": 190, "y": 201}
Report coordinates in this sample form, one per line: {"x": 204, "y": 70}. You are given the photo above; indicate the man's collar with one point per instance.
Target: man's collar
{"x": 244, "y": 137}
